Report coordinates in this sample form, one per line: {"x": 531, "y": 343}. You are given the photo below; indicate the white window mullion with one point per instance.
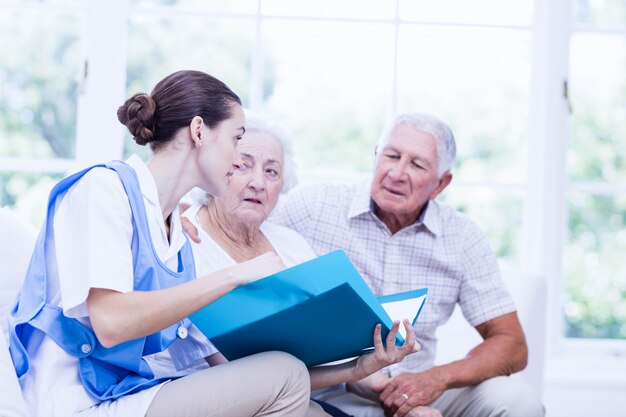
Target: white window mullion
{"x": 257, "y": 63}
{"x": 544, "y": 209}
{"x": 394, "y": 81}
{"x": 99, "y": 134}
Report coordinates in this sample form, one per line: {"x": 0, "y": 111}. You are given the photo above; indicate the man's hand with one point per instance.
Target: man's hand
{"x": 363, "y": 388}
{"x": 424, "y": 412}
{"x": 191, "y": 230}
{"x": 408, "y": 391}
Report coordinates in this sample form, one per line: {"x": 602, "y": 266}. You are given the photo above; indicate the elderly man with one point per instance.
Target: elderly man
{"x": 400, "y": 238}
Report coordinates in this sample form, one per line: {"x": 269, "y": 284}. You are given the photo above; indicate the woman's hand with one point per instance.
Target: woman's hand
{"x": 384, "y": 356}
{"x": 364, "y": 365}
{"x": 267, "y": 264}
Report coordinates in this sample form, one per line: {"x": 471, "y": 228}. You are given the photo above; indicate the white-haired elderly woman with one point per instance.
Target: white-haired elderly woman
{"x": 233, "y": 228}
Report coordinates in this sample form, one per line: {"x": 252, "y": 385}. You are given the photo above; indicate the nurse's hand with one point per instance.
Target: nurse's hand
{"x": 384, "y": 356}
{"x": 267, "y": 264}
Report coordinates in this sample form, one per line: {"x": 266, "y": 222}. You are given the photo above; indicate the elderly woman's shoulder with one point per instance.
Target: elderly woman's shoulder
{"x": 287, "y": 240}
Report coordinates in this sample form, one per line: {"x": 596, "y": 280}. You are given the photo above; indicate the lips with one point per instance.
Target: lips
{"x": 253, "y": 200}
{"x": 393, "y": 191}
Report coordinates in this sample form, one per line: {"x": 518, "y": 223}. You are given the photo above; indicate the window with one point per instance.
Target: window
{"x": 38, "y": 99}
{"x": 548, "y": 187}
{"x": 593, "y": 267}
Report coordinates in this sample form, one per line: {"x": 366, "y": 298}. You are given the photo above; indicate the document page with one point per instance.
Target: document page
{"x": 404, "y": 309}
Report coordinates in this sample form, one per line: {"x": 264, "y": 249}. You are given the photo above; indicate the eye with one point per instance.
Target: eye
{"x": 392, "y": 156}
{"x": 243, "y": 167}
{"x": 417, "y": 165}
{"x": 271, "y": 172}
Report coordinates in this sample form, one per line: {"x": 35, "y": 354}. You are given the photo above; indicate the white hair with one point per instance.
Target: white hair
{"x": 265, "y": 125}
{"x": 446, "y": 145}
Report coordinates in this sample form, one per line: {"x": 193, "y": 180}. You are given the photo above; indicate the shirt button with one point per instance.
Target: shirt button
{"x": 85, "y": 348}
{"x": 181, "y": 332}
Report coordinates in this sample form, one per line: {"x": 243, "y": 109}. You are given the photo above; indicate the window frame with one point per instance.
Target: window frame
{"x": 544, "y": 226}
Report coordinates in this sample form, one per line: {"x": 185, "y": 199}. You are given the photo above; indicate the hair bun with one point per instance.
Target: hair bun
{"x": 138, "y": 114}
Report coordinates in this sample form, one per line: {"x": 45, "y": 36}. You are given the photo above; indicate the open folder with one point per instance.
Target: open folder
{"x": 319, "y": 311}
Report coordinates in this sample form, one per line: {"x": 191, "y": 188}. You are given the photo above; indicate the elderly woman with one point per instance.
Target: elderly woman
{"x": 233, "y": 228}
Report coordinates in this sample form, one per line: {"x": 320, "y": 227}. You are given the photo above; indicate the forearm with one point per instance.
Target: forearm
{"x": 326, "y": 376}
{"x": 498, "y": 355}
{"x": 118, "y": 317}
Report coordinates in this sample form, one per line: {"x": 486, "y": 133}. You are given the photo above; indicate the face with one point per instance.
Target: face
{"x": 405, "y": 176}
{"x": 256, "y": 183}
{"x": 218, "y": 155}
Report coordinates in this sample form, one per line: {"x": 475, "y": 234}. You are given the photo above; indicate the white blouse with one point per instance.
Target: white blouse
{"x": 210, "y": 257}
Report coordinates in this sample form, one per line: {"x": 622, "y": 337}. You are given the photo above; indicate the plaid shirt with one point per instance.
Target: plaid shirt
{"x": 443, "y": 250}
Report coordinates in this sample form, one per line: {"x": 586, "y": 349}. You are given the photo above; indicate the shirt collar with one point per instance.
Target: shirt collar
{"x": 151, "y": 196}
{"x": 146, "y": 180}
{"x": 362, "y": 203}
{"x": 430, "y": 217}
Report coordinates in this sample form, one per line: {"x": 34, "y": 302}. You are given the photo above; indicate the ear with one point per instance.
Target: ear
{"x": 444, "y": 181}
{"x": 195, "y": 130}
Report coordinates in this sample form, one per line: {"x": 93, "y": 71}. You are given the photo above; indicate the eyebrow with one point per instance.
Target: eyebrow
{"x": 243, "y": 130}
{"x": 419, "y": 158}
{"x": 249, "y": 156}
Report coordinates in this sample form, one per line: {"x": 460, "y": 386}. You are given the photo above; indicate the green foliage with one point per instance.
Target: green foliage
{"x": 595, "y": 296}
{"x": 336, "y": 126}
{"x": 37, "y": 79}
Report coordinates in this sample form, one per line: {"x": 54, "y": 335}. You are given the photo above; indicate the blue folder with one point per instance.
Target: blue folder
{"x": 319, "y": 311}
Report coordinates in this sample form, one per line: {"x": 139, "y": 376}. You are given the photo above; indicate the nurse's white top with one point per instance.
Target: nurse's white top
{"x": 92, "y": 233}
{"x": 210, "y": 257}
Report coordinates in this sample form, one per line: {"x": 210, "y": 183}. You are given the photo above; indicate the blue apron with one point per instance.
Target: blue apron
{"x": 106, "y": 373}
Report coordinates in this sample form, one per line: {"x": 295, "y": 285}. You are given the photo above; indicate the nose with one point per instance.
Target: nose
{"x": 398, "y": 169}
{"x": 257, "y": 179}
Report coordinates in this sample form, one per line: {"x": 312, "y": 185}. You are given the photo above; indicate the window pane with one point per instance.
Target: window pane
{"x": 477, "y": 80}
{"x": 27, "y": 194}
{"x": 498, "y": 212}
{"x": 351, "y": 9}
{"x": 331, "y": 85}
{"x": 43, "y": 3}
{"x": 497, "y": 12}
{"x": 600, "y": 13}
{"x": 595, "y": 272}
{"x": 598, "y": 131}
{"x": 238, "y": 6}
{"x": 38, "y": 88}
{"x": 159, "y": 46}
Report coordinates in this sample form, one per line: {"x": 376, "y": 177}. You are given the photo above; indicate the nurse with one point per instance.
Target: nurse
{"x": 100, "y": 326}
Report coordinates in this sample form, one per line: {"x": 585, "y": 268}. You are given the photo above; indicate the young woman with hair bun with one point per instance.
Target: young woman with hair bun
{"x": 100, "y": 327}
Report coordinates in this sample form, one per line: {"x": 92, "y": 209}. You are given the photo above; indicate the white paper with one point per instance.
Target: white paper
{"x": 404, "y": 309}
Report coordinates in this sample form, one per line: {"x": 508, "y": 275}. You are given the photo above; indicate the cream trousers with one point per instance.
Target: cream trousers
{"x": 500, "y": 396}
{"x": 266, "y": 384}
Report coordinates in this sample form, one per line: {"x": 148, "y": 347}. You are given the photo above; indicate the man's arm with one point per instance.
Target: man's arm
{"x": 502, "y": 352}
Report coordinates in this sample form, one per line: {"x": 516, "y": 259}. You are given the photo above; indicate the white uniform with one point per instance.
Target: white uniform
{"x": 92, "y": 233}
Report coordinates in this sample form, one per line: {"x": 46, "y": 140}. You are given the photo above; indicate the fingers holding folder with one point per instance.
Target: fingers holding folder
{"x": 385, "y": 355}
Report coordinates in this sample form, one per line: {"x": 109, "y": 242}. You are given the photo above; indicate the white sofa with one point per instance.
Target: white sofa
{"x": 457, "y": 337}
{"x": 16, "y": 246}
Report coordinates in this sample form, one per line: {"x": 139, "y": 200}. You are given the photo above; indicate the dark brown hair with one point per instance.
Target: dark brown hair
{"x": 173, "y": 103}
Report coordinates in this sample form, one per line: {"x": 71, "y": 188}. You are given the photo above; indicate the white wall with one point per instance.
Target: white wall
{"x": 578, "y": 399}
